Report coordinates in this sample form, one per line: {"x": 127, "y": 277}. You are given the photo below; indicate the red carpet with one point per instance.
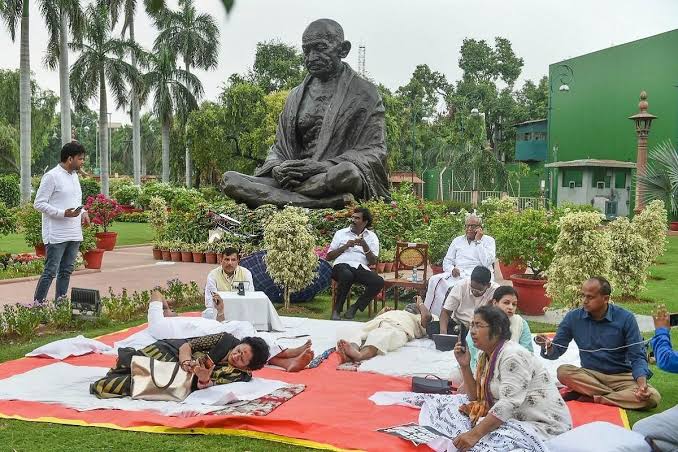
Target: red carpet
{"x": 332, "y": 413}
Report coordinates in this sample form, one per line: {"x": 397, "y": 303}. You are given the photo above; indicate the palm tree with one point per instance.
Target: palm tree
{"x": 195, "y": 37}
{"x": 102, "y": 60}
{"x": 12, "y": 11}
{"x": 174, "y": 92}
{"x": 661, "y": 178}
{"x": 60, "y": 17}
{"x": 129, "y": 10}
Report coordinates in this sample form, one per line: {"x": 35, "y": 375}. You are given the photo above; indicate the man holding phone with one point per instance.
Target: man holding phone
{"x": 59, "y": 198}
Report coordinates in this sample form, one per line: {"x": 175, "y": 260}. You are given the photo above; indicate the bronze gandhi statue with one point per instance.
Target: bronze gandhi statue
{"x": 329, "y": 147}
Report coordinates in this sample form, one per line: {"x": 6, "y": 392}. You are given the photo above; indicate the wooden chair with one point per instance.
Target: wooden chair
{"x": 409, "y": 256}
{"x": 372, "y": 304}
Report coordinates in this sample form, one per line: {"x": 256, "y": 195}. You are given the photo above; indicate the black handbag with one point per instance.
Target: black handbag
{"x": 433, "y": 385}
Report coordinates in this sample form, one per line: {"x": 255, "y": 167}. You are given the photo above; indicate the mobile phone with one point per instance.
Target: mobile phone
{"x": 207, "y": 362}
{"x": 463, "y": 332}
{"x": 673, "y": 319}
{"x": 78, "y": 209}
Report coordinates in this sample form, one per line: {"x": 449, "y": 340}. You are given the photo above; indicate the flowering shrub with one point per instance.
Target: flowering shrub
{"x": 490, "y": 207}
{"x": 7, "y": 220}
{"x": 20, "y": 268}
{"x": 583, "y": 250}
{"x": 439, "y": 233}
{"x": 157, "y": 216}
{"x": 651, "y": 224}
{"x": 290, "y": 257}
{"x": 630, "y": 258}
{"x": 102, "y": 210}
{"x": 30, "y": 222}
{"x": 321, "y": 251}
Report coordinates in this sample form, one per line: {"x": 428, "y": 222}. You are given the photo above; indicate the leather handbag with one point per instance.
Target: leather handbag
{"x": 159, "y": 380}
{"x": 434, "y": 385}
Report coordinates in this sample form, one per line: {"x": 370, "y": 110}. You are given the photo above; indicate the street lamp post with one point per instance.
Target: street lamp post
{"x": 563, "y": 74}
{"x": 643, "y": 121}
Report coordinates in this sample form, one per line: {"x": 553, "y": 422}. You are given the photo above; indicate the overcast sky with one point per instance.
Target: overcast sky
{"x": 399, "y": 34}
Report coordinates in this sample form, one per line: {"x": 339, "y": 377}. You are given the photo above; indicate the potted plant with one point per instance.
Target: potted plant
{"x": 186, "y": 252}
{"x": 157, "y": 251}
{"x": 534, "y": 232}
{"x": 91, "y": 254}
{"x": 102, "y": 211}
{"x": 30, "y": 221}
{"x": 211, "y": 252}
{"x": 199, "y": 252}
{"x": 388, "y": 256}
{"x": 508, "y": 251}
{"x": 175, "y": 247}
{"x": 165, "y": 250}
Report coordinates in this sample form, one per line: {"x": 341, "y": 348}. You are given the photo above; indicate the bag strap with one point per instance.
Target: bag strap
{"x": 174, "y": 374}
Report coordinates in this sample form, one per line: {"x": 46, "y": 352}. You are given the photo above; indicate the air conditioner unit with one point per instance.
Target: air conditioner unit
{"x": 572, "y": 184}
{"x": 600, "y": 185}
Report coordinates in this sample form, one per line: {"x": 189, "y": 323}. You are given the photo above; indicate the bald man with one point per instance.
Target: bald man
{"x": 329, "y": 147}
{"x": 466, "y": 252}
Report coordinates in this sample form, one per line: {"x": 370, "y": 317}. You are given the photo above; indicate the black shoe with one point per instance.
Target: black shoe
{"x": 335, "y": 316}
{"x": 350, "y": 312}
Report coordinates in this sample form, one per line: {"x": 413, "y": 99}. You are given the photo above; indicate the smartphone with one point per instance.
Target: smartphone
{"x": 673, "y": 319}
{"x": 207, "y": 362}
{"x": 78, "y": 209}
{"x": 463, "y": 332}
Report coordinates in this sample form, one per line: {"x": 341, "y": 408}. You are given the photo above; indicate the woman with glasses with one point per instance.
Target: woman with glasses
{"x": 513, "y": 401}
{"x": 506, "y": 299}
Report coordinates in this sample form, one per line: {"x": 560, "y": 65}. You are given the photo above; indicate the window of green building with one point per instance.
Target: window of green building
{"x": 620, "y": 179}
{"x": 600, "y": 175}
{"x": 572, "y": 175}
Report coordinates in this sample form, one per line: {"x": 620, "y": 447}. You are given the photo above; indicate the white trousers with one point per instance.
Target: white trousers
{"x": 438, "y": 285}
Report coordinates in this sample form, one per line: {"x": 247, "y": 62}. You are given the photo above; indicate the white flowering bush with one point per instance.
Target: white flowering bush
{"x": 651, "y": 224}
{"x": 290, "y": 257}
{"x": 158, "y": 217}
{"x": 489, "y": 207}
{"x": 583, "y": 250}
{"x": 630, "y": 258}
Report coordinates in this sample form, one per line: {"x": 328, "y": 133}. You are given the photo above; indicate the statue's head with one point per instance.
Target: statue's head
{"x": 324, "y": 47}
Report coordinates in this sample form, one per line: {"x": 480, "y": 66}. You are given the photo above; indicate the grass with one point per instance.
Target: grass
{"x": 128, "y": 234}
{"x": 23, "y": 436}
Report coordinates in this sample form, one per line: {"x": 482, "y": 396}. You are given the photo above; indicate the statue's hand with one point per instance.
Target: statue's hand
{"x": 306, "y": 168}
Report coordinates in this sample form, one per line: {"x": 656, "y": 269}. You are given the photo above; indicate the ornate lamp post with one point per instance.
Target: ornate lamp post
{"x": 643, "y": 121}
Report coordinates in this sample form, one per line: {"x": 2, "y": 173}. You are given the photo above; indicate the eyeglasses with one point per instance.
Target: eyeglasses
{"x": 472, "y": 226}
{"x": 477, "y": 326}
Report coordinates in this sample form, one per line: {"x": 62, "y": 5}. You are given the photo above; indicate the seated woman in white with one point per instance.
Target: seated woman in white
{"x": 506, "y": 299}
{"x": 163, "y": 324}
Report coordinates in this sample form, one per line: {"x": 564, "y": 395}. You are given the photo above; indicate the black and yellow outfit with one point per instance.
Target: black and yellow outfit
{"x": 118, "y": 380}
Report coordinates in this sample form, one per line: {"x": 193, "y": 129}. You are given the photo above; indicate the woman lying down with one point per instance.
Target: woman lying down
{"x": 212, "y": 354}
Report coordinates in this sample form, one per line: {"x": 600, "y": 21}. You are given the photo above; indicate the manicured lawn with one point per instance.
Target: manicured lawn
{"x": 661, "y": 285}
{"x": 128, "y": 234}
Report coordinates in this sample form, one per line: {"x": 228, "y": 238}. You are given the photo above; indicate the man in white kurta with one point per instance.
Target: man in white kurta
{"x": 464, "y": 254}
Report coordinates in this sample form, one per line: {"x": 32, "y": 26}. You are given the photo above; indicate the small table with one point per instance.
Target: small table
{"x": 254, "y": 307}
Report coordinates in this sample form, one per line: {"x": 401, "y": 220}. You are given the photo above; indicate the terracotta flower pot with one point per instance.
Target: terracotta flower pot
{"x": 515, "y": 267}
{"x": 93, "y": 258}
{"x": 198, "y": 258}
{"x": 157, "y": 254}
{"x": 211, "y": 258}
{"x": 436, "y": 269}
{"x": 166, "y": 255}
{"x": 674, "y": 226}
{"x": 106, "y": 240}
{"x": 380, "y": 267}
{"x": 40, "y": 250}
{"x": 388, "y": 267}
{"x": 186, "y": 256}
{"x": 176, "y": 256}
{"x": 532, "y": 297}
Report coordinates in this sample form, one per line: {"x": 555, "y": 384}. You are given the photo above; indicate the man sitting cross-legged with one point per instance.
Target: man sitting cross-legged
{"x": 465, "y": 298}
{"x": 388, "y": 331}
{"x": 614, "y": 364}
{"x": 223, "y": 279}
{"x": 464, "y": 254}
{"x": 164, "y": 324}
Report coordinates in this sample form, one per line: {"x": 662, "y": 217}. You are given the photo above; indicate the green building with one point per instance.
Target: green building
{"x": 531, "y": 149}
{"x": 591, "y": 142}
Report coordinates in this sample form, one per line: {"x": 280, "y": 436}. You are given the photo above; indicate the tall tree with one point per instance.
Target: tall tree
{"x": 174, "y": 92}
{"x": 14, "y": 11}
{"x": 195, "y": 38}
{"x": 128, "y": 10}
{"x": 102, "y": 60}
{"x": 277, "y": 66}
{"x": 62, "y": 17}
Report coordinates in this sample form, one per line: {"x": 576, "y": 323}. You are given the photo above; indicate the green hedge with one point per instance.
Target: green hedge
{"x": 90, "y": 187}
{"x": 10, "y": 192}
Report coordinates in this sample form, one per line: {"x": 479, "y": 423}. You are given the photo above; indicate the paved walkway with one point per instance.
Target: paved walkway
{"x": 132, "y": 268}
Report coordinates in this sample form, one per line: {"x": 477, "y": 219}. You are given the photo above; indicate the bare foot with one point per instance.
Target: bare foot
{"x": 342, "y": 356}
{"x": 348, "y": 350}
{"x": 300, "y": 362}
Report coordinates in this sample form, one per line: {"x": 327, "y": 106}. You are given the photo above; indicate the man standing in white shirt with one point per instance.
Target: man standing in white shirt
{"x": 464, "y": 254}
{"x": 353, "y": 250}
{"x": 59, "y": 198}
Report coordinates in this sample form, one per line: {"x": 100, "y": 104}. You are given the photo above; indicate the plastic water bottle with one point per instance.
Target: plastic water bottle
{"x": 414, "y": 274}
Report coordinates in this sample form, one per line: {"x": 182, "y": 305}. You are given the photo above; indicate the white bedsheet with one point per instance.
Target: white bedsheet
{"x": 68, "y": 385}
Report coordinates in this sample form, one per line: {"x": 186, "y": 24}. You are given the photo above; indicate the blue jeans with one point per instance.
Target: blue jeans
{"x": 60, "y": 262}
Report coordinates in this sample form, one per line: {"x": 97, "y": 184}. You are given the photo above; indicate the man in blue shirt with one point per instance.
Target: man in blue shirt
{"x": 660, "y": 429}
{"x": 614, "y": 364}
